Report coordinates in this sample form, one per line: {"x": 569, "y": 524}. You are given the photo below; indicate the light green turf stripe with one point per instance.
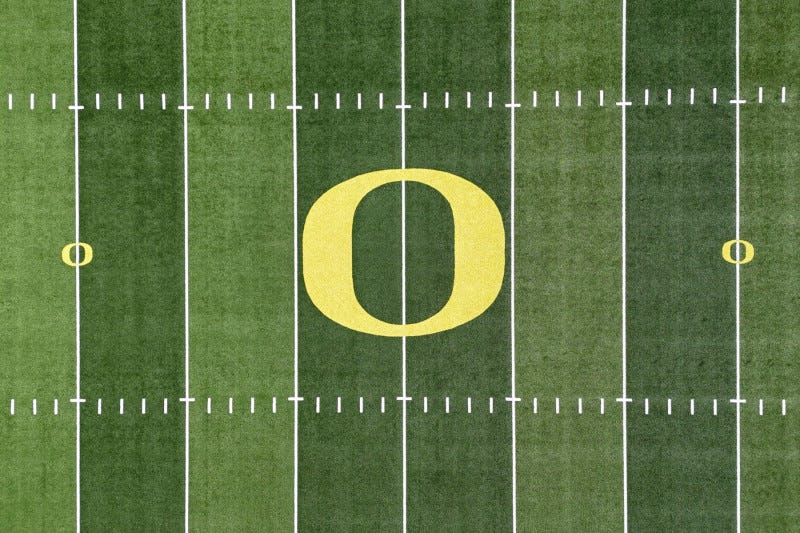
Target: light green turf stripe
{"x": 241, "y": 266}
{"x": 770, "y": 289}
{"x": 569, "y": 267}
{"x": 37, "y": 307}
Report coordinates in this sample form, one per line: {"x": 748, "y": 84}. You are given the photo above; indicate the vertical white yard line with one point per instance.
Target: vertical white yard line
{"x": 624, "y": 244}
{"x": 738, "y": 292}
{"x": 77, "y": 272}
{"x": 295, "y": 482}
{"x": 403, "y": 254}
{"x": 185, "y": 267}
{"x": 512, "y": 281}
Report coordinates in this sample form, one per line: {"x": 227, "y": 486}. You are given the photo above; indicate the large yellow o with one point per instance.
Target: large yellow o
{"x": 749, "y": 252}
{"x": 478, "y": 242}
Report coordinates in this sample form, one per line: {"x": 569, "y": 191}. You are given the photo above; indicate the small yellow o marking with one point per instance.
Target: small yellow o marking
{"x": 749, "y": 252}
{"x": 85, "y": 258}
{"x": 478, "y": 241}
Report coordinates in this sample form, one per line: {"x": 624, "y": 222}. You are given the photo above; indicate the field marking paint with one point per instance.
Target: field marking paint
{"x": 77, "y": 400}
{"x": 512, "y": 266}
{"x": 403, "y": 252}
{"x": 738, "y": 285}
{"x": 295, "y": 261}
{"x": 624, "y": 258}
{"x": 602, "y": 98}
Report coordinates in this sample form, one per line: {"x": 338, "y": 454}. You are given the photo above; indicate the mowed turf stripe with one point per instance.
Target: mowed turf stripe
{"x": 459, "y": 464}
{"x": 680, "y": 292}
{"x": 37, "y": 308}
{"x": 350, "y": 463}
{"x": 241, "y": 255}
{"x": 132, "y": 293}
{"x": 770, "y": 290}
{"x": 569, "y": 298}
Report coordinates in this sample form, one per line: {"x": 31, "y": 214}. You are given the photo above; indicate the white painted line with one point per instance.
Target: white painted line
{"x": 358, "y": 101}
{"x": 738, "y": 284}
{"x": 119, "y": 100}
{"x": 760, "y": 407}
{"x": 99, "y": 406}
{"x": 647, "y": 97}
{"x": 512, "y": 267}
{"x": 97, "y": 101}
{"x": 53, "y": 101}
{"x": 122, "y": 406}
{"x": 580, "y": 98}
{"x": 249, "y": 100}
{"x": 338, "y": 100}
{"x": 558, "y": 99}
{"x": 534, "y": 98}
{"x": 141, "y": 101}
{"x": 761, "y": 95}
{"x": 469, "y": 405}
{"x": 13, "y": 407}
{"x": 383, "y": 404}
{"x": 317, "y": 405}
{"x": 252, "y": 405}
{"x": 316, "y": 100}
{"x": 424, "y": 100}
{"x": 715, "y": 410}
{"x": 166, "y": 405}
{"x": 10, "y": 101}
{"x": 624, "y": 259}
{"x": 163, "y": 102}
{"x": 186, "y": 389}
{"x": 208, "y": 406}
{"x": 55, "y": 406}
{"x": 33, "y": 101}
{"x": 446, "y": 100}
{"x": 35, "y": 407}
{"x": 469, "y": 100}
{"x": 76, "y": 164}
{"x": 558, "y": 405}
{"x": 380, "y": 100}
{"x": 228, "y": 101}
{"x": 647, "y": 406}
{"x": 691, "y": 96}
{"x": 295, "y": 278}
{"x": 339, "y": 404}
{"x": 403, "y": 269}
{"x": 491, "y": 405}
{"x": 714, "y": 95}
{"x": 602, "y": 406}
{"x": 425, "y": 404}
{"x": 783, "y": 95}
{"x": 580, "y": 406}
{"x": 491, "y": 99}
{"x": 783, "y": 407}
{"x": 361, "y": 405}
{"x": 272, "y": 100}
{"x": 275, "y": 405}
{"x": 691, "y": 406}
{"x": 602, "y": 98}
{"x": 144, "y": 406}
{"x": 536, "y": 406}
{"x": 669, "y": 406}
{"x": 669, "y": 96}
{"x": 230, "y": 406}
{"x": 207, "y": 101}
{"x": 447, "y": 405}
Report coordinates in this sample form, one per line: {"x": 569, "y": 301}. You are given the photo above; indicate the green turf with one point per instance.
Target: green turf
{"x": 241, "y": 257}
{"x": 568, "y": 264}
{"x": 132, "y": 293}
{"x": 37, "y": 306}
{"x": 770, "y": 194}
{"x": 680, "y": 291}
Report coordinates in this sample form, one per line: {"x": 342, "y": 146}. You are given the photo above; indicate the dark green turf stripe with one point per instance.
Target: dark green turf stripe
{"x": 132, "y": 293}
{"x": 680, "y": 291}
{"x": 349, "y": 463}
{"x": 459, "y": 464}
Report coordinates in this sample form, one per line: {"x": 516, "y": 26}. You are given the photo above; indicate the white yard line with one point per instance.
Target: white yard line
{"x": 76, "y": 108}
{"x": 512, "y": 270}
{"x": 624, "y": 258}
{"x": 187, "y": 396}
{"x": 404, "y": 390}
{"x": 294, "y": 107}
{"x": 738, "y": 288}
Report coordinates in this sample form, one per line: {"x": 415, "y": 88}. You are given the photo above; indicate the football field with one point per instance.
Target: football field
{"x": 413, "y": 266}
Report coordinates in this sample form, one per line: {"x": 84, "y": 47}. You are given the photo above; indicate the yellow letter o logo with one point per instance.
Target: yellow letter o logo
{"x": 479, "y": 250}
{"x": 85, "y": 259}
{"x": 749, "y": 252}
